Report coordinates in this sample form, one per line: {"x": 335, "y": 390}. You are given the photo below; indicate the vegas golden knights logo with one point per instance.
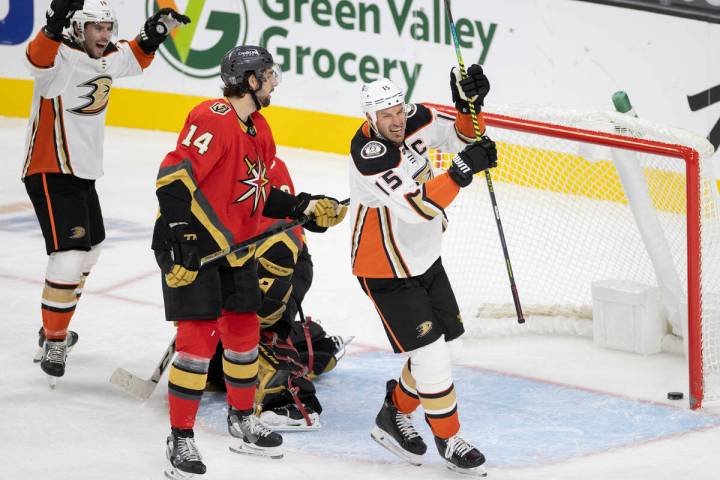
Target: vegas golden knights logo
{"x": 97, "y": 98}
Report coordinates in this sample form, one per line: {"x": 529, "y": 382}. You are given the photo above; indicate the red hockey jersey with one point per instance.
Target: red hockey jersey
{"x": 222, "y": 163}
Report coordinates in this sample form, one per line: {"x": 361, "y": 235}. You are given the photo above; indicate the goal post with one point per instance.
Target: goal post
{"x": 574, "y": 189}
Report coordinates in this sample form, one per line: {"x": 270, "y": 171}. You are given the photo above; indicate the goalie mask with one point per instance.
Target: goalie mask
{"x": 379, "y": 95}
{"x": 94, "y": 11}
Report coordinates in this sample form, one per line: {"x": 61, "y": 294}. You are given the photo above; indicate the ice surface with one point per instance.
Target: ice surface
{"x": 541, "y": 407}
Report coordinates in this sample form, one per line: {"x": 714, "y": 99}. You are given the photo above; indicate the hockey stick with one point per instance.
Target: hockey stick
{"x": 142, "y": 388}
{"x": 137, "y": 386}
{"x": 488, "y": 179}
{"x": 278, "y": 229}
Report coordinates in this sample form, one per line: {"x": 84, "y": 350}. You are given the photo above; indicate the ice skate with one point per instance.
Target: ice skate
{"x": 460, "y": 456}
{"x": 53, "y": 361}
{"x": 71, "y": 339}
{"x": 395, "y": 432}
{"x": 255, "y": 438}
{"x": 183, "y": 458}
{"x": 289, "y": 418}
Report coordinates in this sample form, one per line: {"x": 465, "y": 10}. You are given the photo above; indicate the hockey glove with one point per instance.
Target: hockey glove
{"x": 186, "y": 261}
{"x": 158, "y": 27}
{"x": 324, "y": 211}
{"x": 59, "y": 14}
{"x": 471, "y": 89}
{"x": 474, "y": 158}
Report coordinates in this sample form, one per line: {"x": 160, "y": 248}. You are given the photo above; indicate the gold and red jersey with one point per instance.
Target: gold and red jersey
{"x": 70, "y": 98}
{"x": 221, "y": 166}
{"x": 397, "y": 202}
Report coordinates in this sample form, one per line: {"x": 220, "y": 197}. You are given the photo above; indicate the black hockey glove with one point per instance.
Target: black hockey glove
{"x": 474, "y": 158}
{"x": 323, "y": 211}
{"x": 158, "y": 27}
{"x": 59, "y": 14}
{"x": 186, "y": 261}
{"x": 472, "y": 89}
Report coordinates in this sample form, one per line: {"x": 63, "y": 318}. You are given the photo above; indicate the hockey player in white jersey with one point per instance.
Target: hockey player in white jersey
{"x": 398, "y": 204}
{"x": 73, "y": 75}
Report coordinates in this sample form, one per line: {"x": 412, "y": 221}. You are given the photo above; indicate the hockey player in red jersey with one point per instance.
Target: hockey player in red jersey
{"x": 398, "y": 205}
{"x": 212, "y": 190}
{"x": 73, "y": 75}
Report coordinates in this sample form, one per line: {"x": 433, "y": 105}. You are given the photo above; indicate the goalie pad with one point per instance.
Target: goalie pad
{"x": 276, "y": 293}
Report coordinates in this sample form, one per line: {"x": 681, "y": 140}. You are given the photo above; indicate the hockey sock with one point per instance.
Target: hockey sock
{"x": 241, "y": 371}
{"x": 62, "y": 278}
{"x": 431, "y": 368}
{"x": 188, "y": 375}
{"x": 405, "y": 396}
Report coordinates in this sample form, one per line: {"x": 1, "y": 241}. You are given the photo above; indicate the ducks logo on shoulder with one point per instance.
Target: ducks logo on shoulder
{"x": 373, "y": 149}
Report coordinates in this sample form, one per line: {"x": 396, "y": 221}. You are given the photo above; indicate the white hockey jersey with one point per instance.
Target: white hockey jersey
{"x": 397, "y": 202}
{"x": 70, "y": 97}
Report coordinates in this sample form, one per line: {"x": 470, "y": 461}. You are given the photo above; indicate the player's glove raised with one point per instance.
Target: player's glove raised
{"x": 471, "y": 89}
{"x": 186, "y": 261}
{"x": 323, "y": 211}
{"x": 59, "y": 14}
{"x": 158, "y": 27}
{"x": 474, "y": 158}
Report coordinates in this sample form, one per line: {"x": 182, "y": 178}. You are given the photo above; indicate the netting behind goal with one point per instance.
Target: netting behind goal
{"x": 586, "y": 197}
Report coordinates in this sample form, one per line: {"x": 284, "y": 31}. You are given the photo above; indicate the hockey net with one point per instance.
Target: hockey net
{"x": 587, "y": 196}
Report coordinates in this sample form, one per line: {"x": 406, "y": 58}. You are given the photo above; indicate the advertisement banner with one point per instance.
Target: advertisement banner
{"x": 559, "y": 53}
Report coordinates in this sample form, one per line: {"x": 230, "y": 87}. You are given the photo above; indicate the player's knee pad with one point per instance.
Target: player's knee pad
{"x": 65, "y": 266}
{"x": 455, "y": 347}
{"x": 239, "y": 331}
{"x": 431, "y": 367}
{"x": 276, "y": 294}
{"x": 91, "y": 258}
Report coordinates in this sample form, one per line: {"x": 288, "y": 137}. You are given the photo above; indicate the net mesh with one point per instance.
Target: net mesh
{"x": 568, "y": 222}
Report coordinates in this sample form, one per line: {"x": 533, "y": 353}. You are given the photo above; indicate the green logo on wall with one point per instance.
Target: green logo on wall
{"x": 197, "y": 49}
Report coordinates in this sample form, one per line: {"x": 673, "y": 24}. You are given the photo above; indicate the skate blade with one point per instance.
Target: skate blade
{"x": 174, "y": 474}
{"x": 385, "y": 441}
{"x": 52, "y": 381}
{"x": 475, "y": 472}
{"x": 249, "y": 449}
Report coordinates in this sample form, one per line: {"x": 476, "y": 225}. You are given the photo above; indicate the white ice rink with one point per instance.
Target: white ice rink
{"x": 520, "y": 391}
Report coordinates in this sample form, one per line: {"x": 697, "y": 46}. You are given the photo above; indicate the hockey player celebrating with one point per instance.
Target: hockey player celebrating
{"x": 212, "y": 190}
{"x": 398, "y": 205}
{"x": 73, "y": 75}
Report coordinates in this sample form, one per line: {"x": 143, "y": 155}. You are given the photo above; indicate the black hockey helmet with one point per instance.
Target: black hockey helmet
{"x": 241, "y": 60}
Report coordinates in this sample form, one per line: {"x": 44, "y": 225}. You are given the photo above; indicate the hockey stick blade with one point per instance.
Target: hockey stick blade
{"x": 133, "y": 384}
{"x": 137, "y": 386}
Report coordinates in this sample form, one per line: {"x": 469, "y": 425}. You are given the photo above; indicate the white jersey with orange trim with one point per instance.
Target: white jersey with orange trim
{"x": 70, "y": 97}
{"x": 396, "y": 200}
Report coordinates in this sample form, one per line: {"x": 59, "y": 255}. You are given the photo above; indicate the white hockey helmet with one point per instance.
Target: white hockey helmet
{"x": 94, "y": 11}
{"x": 379, "y": 95}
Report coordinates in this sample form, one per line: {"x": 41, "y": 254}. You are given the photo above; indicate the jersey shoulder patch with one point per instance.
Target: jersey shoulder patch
{"x": 373, "y": 149}
{"x": 418, "y": 117}
{"x": 373, "y": 155}
{"x": 220, "y": 108}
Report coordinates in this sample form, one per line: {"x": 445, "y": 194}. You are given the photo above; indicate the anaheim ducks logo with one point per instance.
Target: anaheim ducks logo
{"x": 77, "y": 232}
{"x": 424, "y": 328}
{"x": 97, "y": 98}
{"x": 256, "y": 183}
